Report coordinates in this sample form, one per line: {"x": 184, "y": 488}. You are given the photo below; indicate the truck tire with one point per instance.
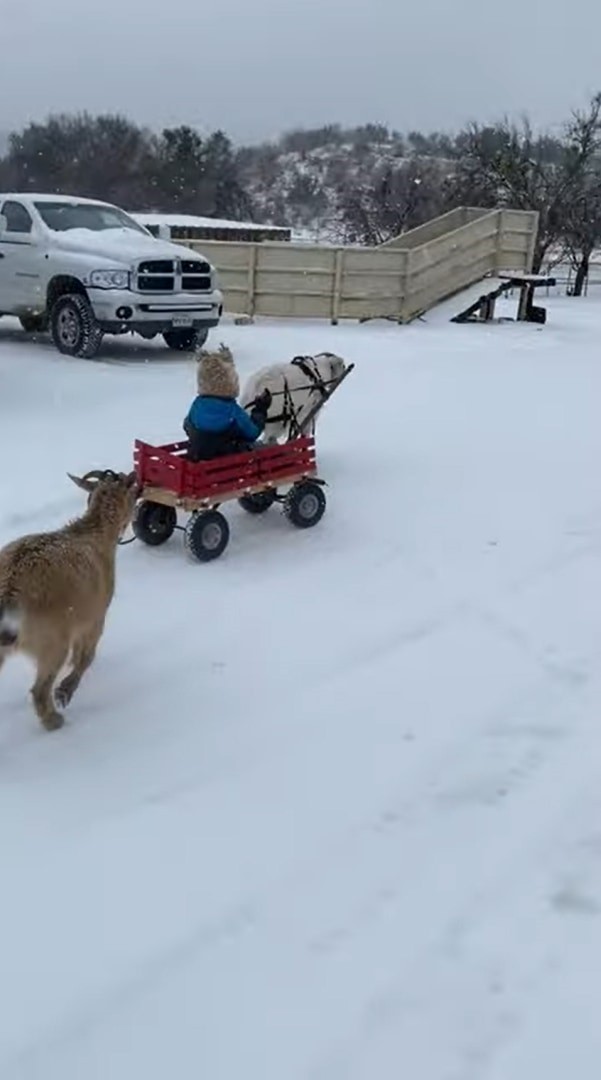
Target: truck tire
{"x": 73, "y": 326}
{"x": 185, "y": 340}
{"x": 34, "y": 324}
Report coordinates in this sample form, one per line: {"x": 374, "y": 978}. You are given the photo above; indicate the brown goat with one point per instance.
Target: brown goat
{"x": 56, "y": 588}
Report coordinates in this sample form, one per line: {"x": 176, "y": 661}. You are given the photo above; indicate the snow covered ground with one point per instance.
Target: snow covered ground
{"x": 330, "y": 807}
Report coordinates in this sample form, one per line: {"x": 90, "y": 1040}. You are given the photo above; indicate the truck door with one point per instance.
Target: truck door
{"x": 21, "y": 287}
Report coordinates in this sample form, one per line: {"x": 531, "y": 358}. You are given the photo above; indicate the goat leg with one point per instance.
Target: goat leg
{"x": 48, "y": 668}
{"x": 83, "y": 655}
{"x": 42, "y": 702}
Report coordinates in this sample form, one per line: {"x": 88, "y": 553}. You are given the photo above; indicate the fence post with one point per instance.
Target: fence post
{"x": 534, "y": 217}
{"x": 337, "y": 286}
{"x": 405, "y": 278}
{"x": 252, "y": 279}
{"x": 500, "y": 236}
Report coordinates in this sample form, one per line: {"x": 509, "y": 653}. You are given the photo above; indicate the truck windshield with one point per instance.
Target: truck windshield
{"x": 61, "y": 216}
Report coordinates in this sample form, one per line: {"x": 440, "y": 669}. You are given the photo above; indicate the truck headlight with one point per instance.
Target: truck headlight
{"x": 109, "y": 279}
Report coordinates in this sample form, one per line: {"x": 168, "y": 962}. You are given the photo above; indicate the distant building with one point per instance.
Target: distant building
{"x": 189, "y": 227}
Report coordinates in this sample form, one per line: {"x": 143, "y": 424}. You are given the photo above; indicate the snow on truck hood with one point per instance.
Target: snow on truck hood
{"x": 121, "y": 245}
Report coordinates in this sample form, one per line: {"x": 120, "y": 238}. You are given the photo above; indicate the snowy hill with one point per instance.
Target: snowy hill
{"x": 330, "y": 804}
{"x": 299, "y": 180}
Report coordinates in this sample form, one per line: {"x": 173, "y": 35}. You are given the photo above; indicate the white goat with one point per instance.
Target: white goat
{"x": 296, "y": 388}
{"x": 56, "y": 588}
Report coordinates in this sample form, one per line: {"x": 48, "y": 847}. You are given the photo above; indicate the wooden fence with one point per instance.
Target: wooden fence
{"x": 398, "y": 280}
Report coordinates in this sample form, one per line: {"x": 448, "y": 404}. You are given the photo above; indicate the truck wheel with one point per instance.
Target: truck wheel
{"x": 185, "y": 340}
{"x": 73, "y": 326}
{"x": 34, "y": 324}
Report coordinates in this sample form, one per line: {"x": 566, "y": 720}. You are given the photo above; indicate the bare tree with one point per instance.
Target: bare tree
{"x": 401, "y": 196}
{"x": 509, "y": 165}
{"x": 582, "y": 230}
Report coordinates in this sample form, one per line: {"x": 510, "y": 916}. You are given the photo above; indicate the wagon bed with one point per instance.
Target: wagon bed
{"x": 167, "y": 476}
{"x": 169, "y": 482}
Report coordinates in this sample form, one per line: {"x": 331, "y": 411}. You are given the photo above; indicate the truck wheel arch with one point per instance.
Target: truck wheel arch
{"x": 60, "y": 286}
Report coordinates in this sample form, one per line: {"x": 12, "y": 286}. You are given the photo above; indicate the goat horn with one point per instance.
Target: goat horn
{"x": 85, "y": 482}
{"x": 81, "y": 482}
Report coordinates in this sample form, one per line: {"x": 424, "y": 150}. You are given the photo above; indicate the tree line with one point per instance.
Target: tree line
{"x": 365, "y": 184}
{"x": 111, "y": 158}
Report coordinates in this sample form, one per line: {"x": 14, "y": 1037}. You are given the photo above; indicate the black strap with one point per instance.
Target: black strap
{"x": 290, "y": 412}
{"x": 304, "y": 363}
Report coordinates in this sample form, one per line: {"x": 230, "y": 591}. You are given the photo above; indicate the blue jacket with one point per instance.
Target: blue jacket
{"x": 222, "y": 414}
{"x": 217, "y": 426}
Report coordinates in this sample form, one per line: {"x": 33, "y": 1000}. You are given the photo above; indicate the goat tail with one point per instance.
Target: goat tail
{"x": 10, "y": 623}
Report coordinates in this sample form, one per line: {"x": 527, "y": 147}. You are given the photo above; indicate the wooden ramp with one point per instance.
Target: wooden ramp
{"x": 483, "y": 309}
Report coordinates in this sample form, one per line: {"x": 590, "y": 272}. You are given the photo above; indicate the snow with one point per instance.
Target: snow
{"x": 52, "y": 197}
{"x": 118, "y": 243}
{"x": 192, "y": 221}
{"x": 328, "y": 808}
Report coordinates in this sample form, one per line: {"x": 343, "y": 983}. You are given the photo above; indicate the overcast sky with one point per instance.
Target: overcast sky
{"x": 257, "y": 67}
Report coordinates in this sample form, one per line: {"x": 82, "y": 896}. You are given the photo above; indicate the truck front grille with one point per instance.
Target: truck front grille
{"x": 196, "y": 276}
{"x": 168, "y": 276}
{"x": 155, "y": 283}
{"x": 157, "y": 266}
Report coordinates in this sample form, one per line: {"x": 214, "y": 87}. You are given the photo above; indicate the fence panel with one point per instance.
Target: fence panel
{"x": 399, "y": 279}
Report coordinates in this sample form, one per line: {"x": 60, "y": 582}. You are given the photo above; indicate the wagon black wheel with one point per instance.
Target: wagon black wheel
{"x": 207, "y": 535}
{"x": 154, "y": 523}
{"x": 258, "y": 502}
{"x": 305, "y": 504}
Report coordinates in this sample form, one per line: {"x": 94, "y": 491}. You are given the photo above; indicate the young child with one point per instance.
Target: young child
{"x": 216, "y": 424}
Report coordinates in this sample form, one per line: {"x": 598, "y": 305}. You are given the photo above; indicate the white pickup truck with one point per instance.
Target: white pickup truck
{"x": 82, "y": 268}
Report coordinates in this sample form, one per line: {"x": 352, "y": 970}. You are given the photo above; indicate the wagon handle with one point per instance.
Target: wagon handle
{"x": 319, "y": 404}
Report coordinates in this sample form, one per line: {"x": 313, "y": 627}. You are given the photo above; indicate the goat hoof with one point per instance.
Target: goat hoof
{"x": 53, "y": 721}
{"x": 62, "y": 696}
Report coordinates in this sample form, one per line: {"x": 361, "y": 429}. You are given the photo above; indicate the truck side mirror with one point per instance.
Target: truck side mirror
{"x": 3, "y": 225}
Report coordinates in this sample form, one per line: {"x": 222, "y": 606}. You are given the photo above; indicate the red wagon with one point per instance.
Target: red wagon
{"x": 170, "y": 482}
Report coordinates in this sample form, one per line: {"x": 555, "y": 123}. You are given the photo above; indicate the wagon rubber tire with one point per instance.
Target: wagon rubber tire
{"x": 73, "y": 326}
{"x": 187, "y": 340}
{"x": 258, "y": 502}
{"x": 207, "y": 535}
{"x": 34, "y": 324}
{"x": 154, "y": 523}
{"x": 305, "y": 504}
